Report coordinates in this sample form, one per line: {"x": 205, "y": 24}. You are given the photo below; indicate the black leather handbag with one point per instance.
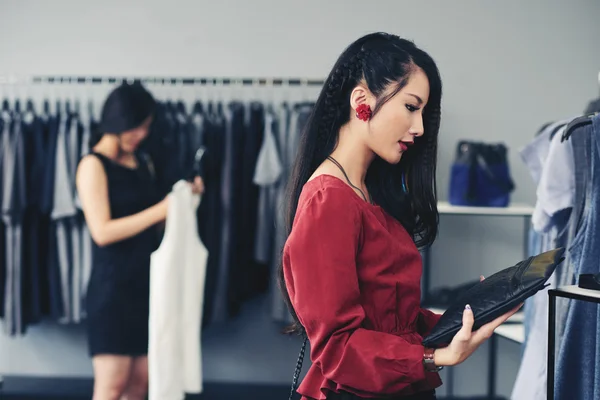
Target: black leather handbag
{"x": 496, "y": 295}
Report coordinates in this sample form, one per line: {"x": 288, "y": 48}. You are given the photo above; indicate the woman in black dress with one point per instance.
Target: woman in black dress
{"x": 122, "y": 208}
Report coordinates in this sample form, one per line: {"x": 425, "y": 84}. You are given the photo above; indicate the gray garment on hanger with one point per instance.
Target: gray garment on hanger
{"x": 63, "y": 191}
{"x": 279, "y": 311}
{"x": 220, "y": 312}
{"x": 7, "y": 159}
{"x": 86, "y": 256}
{"x": 298, "y": 116}
{"x": 4, "y": 170}
{"x": 73, "y": 151}
{"x": 196, "y": 132}
{"x": 13, "y": 201}
{"x": 85, "y": 238}
{"x": 64, "y": 209}
{"x": 12, "y": 300}
{"x": 14, "y": 195}
{"x": 266, "y": 175}
{"x": 3, "y": 139}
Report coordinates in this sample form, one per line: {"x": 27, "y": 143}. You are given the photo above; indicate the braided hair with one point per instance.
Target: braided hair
{"x": 383, "y": 62}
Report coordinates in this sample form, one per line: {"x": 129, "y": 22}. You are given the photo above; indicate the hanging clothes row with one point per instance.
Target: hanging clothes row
{"x": 249, "y": 153}
{"x": 564, "y": 162}
{"x": 46, "y": 263}
{"x": 47, "y": 253}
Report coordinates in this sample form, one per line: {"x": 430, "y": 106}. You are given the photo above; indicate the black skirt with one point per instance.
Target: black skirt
{"x": 117, "y": 320}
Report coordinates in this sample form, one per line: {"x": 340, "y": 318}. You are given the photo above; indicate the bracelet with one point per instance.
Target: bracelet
{"x": 428, "y": 361}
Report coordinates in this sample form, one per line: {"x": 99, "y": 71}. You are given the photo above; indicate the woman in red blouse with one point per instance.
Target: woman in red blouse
{"x": 362, "y": 201}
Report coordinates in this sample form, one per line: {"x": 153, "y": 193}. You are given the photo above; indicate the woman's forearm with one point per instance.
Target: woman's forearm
{"x": 119, "y": 229}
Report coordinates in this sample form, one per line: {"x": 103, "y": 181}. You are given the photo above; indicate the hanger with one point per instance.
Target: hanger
{"x": 543, "y": 128}
{"x": 270, "y": 87}
{"x": 575, "y": 124}
{"x": 29, "y": 112}
{"x": 556, "y": 129}
{"x": 181, "y": 107}
{"x": 198, "y": 169}
{"x": 211, "y": 97}
{"x": 220, "y": 88}
{"x": 198, "y": 108}
{"x": 179, "y": 104}
{"x": 29, "y": 106}
{"x": 220, "y": 98}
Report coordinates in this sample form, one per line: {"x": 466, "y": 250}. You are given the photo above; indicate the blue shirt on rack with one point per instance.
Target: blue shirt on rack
{"x": 580, "y": 345}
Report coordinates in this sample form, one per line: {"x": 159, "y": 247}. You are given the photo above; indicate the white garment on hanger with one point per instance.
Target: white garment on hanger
{"x": 177, "y": 278}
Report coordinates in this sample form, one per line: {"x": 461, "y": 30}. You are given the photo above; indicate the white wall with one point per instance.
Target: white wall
{"x": 507, "y": 68}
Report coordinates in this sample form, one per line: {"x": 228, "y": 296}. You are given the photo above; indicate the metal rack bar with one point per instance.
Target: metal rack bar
{"x": 221, "y": 81}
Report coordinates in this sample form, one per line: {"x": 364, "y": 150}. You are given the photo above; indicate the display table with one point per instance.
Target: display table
{"x": 513, "y": 332}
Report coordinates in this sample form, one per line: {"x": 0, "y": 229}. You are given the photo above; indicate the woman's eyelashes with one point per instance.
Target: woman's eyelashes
{"x": 412, "y": 108}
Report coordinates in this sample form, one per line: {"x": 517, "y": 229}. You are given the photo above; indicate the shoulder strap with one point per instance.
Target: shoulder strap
{"x": 103, "y": 159}
{"x": 149, "y": 164}
{"x": 298, "y": 367}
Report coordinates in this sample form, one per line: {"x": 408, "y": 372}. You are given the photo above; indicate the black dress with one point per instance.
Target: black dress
{"x": 117, "y": 301}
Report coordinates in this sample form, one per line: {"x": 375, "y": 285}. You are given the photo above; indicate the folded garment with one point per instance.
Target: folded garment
{"x": 496, "y": 295}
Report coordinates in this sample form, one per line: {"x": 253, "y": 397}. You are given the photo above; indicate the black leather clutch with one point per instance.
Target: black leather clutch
{"x": 496, "y": 295}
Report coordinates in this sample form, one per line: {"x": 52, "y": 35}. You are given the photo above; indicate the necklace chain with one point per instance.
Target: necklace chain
{"x": 333, "y": 160}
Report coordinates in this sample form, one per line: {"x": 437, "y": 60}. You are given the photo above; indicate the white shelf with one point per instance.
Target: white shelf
{"x": 514, "y": 332}
{"x": 517, "y": 317}
{"x": 515, "y": 209}
{"x": 436, "y": 310}
{"x": 574, "y": 289}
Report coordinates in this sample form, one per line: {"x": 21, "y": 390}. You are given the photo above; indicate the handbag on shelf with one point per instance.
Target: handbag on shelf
{"x": 480, "y": 175}
{"x": 496, "y": 295}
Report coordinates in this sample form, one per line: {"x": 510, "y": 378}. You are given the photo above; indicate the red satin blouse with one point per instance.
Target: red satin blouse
{"x": 354, "y": 277}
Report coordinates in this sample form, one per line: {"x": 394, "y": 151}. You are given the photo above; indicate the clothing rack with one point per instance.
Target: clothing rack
{"x": 178, "y": 81}
{"x": 185, "y": 119}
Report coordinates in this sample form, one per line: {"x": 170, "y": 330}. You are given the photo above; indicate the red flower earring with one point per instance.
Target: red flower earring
{"x": 364, "y": 112}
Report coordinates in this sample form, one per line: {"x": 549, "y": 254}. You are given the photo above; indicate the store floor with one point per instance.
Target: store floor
{"x": 244, "y": 358}
{"x": 81, "y": 389}
{"x": 16, "y": 388}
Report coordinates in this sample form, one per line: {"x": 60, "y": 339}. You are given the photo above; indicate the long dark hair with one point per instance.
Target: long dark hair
{"x": 379, "y": 60}
{"x": 126, "y": 107}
